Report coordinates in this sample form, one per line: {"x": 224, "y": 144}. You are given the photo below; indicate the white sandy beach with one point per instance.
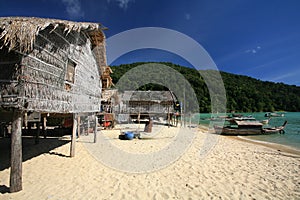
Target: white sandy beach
{"x": 232, "y": 169}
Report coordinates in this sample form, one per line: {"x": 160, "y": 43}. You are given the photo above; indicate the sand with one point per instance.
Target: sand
{"x": 228, "y": 169}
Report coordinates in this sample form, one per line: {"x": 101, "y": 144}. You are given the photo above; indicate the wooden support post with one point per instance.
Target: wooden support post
{"x": 37, "y": 136}
{"x": 88, "y": 125}
{"x": 44, "y": 125}
{"x": 73, "y": 137}
{"x": 95, "y": 129}
{"x": 78, "y": 126}
{"x": 26, "y": 120}
{"x": 168, "y": 117}
{"x": 15, "y": 184}
{"x": 190, "y": 119}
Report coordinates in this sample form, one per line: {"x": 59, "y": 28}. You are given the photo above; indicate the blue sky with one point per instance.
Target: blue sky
{"x": 257, "y": 38}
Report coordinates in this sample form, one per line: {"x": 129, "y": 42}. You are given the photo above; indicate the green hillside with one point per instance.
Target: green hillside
{"x": 244, "y": 94}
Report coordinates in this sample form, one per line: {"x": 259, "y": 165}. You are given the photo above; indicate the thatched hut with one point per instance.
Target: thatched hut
{"x": 145, "y": 104}
{"x": 47, "y": 66}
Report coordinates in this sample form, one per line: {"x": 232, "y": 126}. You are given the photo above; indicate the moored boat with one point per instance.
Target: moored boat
{"x": 279, "y": 129}
{"x": 266, "y": 121}
{"x": 248, "y": 128}
{"x": 271, "y": 114}
{"x": 238, "y": 127}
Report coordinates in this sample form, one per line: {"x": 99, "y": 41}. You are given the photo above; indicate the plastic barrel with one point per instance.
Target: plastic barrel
{"x": 129, "y": 135}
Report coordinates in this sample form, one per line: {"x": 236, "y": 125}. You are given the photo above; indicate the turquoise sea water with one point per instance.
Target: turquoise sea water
{"x": 292, "y": 130}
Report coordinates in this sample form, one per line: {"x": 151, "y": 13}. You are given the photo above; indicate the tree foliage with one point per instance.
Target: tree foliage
{"x": 243, "y": 93}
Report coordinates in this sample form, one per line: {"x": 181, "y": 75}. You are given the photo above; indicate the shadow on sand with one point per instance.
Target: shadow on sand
{"x": 29, "y": 148}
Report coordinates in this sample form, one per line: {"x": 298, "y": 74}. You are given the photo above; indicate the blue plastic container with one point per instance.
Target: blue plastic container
{"x": 129, "y": 135}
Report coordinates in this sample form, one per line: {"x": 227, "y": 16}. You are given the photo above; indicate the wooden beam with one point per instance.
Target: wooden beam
{"x": 73, "y": 137}
{"x": 15, "y": 184}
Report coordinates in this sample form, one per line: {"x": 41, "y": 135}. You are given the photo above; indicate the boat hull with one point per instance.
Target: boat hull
{"x": 237, "y": 131}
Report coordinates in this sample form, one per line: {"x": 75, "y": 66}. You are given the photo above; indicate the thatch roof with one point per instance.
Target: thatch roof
{"x": 106, "y": 95}
{"x": 148, "y": 96}
{"x": 20, "y": 32}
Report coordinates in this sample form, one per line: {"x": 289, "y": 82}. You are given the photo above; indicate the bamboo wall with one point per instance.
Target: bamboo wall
{"x": 37, "y": 81}
{"x": 9, "y": 85}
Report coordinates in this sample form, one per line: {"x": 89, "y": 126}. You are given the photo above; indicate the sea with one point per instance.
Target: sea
{"x": 290, "y": 138}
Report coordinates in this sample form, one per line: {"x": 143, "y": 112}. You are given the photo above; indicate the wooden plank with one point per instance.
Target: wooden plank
{"x": 73, "y": 137}
{"x": 15, "y": 184}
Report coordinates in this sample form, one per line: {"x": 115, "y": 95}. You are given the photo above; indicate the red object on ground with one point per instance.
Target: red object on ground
{"x": 106, "y": 124}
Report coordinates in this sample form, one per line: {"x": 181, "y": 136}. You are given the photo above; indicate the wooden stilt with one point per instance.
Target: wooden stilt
{"x": 37, "y": 136}
{"x": 15, "y": 184}
{"x": 190, "y": 119}
{"x": 88, "y": 125}
{"x": 73, "y": 137}
{"x": 44, "y": 125}
{"x": 78, "y": 126}
{"x": 95, "y": 129}
{"x": 168, "y": 117}
{"x": 25, "y": 120}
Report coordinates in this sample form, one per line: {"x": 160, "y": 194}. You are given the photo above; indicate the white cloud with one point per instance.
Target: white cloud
{"x": 254, "y": 50}
{"x": 123, "y": 4}
{"x": 73, "y": 8}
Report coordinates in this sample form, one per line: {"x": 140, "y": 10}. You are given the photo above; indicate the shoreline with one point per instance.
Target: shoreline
{"x": 271, "y": 145}
{"x": 275, "y": 146}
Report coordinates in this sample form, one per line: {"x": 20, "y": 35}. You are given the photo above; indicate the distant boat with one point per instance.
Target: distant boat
{"x": 218, "y": 118}
{"x": 240, "y": 118}
{"x": 246, "y": 118}
{"x": 271, "y": 114}
{"x": 266, "y": 121}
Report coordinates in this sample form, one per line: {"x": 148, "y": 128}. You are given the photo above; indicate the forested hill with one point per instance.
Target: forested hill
{"x": 244, "y": 94}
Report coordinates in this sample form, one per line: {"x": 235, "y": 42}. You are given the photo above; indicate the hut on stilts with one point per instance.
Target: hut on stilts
{"x": 47, "y": 67}
{"x": 144, "y": 105}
